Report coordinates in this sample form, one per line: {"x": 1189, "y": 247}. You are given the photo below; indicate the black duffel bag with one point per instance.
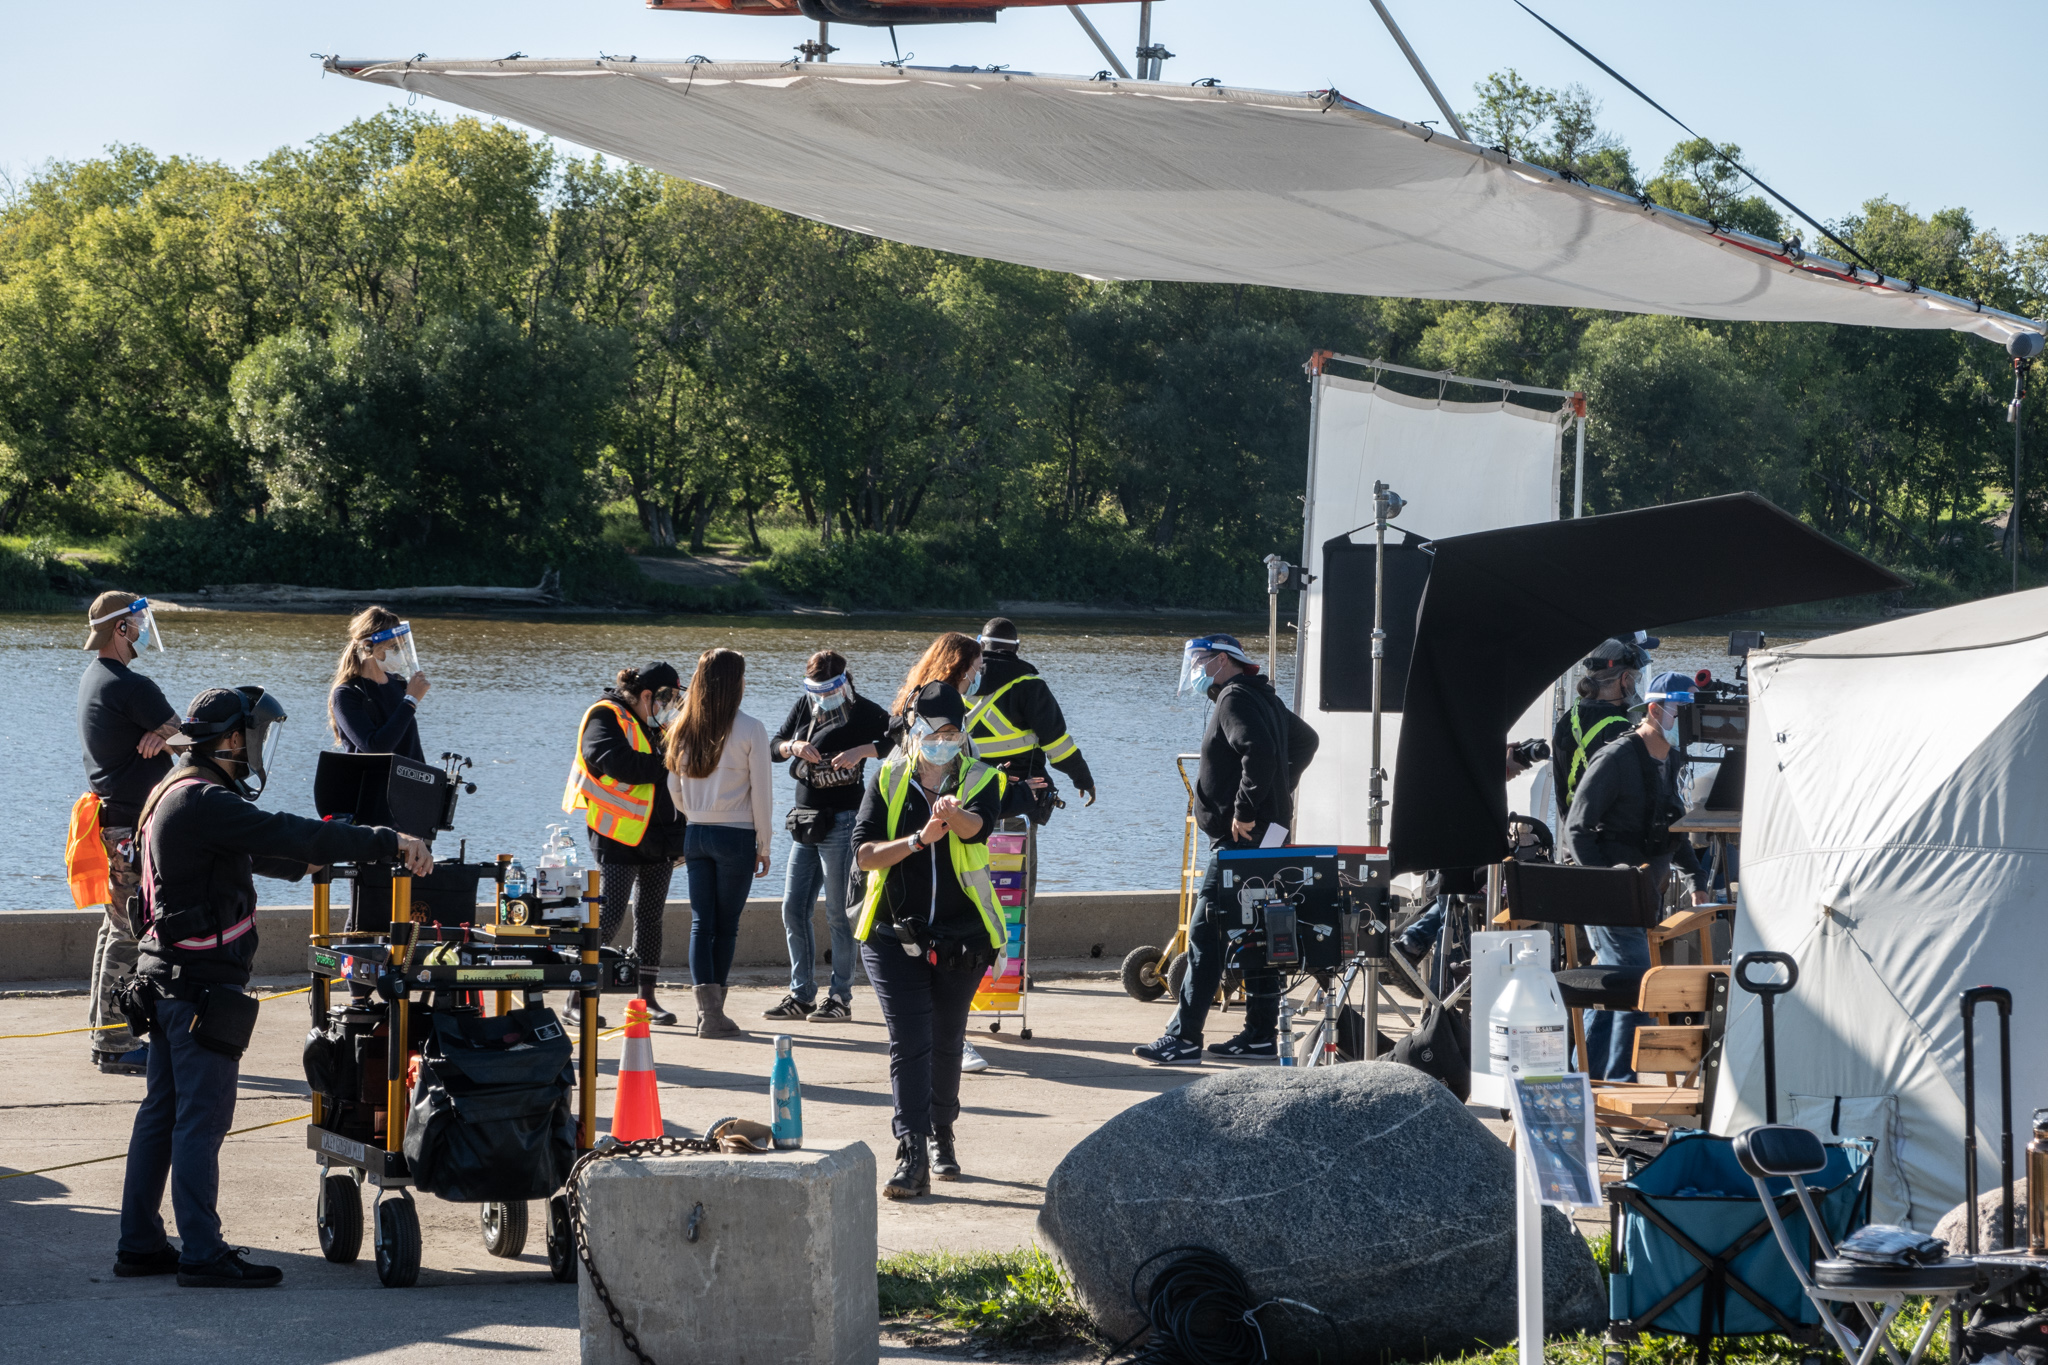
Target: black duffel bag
{"x": 490, "y": 1117}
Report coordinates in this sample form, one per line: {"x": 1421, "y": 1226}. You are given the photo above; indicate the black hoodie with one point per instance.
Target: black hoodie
{"x": 1254, "y": 752}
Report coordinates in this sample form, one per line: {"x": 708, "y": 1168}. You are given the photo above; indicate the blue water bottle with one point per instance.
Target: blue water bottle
{"x": 788, "y": 1123}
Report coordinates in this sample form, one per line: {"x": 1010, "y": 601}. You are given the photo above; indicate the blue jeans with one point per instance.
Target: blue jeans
{"x": 828, "y": 862}
{"x": 718, "y": 862}
{"x": 186, "y": 1113}
{"x": 1611, "y": 1034}
{"x": 1421, "y": 936}
{"x": 1205, "y": 969}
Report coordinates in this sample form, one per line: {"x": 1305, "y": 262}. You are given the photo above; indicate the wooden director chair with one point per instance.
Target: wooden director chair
{"x": 1685, "y": 1054}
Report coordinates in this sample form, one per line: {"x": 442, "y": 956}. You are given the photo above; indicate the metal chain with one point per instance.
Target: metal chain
{"x": 661, "y": 1146}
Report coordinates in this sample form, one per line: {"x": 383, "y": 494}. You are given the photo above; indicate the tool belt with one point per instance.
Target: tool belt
{"x": 226, "y": 1018}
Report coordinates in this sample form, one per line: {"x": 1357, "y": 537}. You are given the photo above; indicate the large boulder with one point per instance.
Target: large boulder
{"x": 1366, "y": 1190}
{"x": 1954, "y": 1230}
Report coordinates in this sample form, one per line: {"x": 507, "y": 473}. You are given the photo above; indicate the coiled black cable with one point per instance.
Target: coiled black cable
{"x": 1200, "y": 1311}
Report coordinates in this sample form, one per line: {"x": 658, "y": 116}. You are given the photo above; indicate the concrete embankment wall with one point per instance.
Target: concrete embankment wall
{"x": 57, "y": 944}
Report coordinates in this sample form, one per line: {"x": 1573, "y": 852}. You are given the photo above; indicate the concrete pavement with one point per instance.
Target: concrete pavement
{"x": 60, "y": 1302}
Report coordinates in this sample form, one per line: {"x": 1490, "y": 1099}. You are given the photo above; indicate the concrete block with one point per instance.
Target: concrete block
{"x": 782, "y": 1271}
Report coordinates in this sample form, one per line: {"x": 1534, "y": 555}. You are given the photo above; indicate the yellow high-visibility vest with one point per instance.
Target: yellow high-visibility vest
{"x": 995, "y": 735}
{"x": 612, "y": 808}
{"x": 1585, "y": 737}
{"x": 970, "y": 861}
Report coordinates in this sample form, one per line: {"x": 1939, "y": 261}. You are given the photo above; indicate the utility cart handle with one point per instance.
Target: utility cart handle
{"x": 2002, "y": 998}
{"x": 1766, "y": 991}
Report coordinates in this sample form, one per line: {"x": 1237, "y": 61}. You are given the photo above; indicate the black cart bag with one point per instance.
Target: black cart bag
{"x": 490, "y": 1117}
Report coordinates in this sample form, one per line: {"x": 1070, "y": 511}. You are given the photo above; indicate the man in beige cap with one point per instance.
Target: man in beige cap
{"x": 123, "y": 721}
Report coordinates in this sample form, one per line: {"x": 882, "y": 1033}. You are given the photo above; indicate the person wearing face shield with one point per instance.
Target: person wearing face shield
{"x": 373, "y": 702}
{"x": 828, "y": 736}
{"x": 202, "y": 841}
{"x": 1621, "y": 816}
{"x": 1254, "y": 751}
{"x": 124, "y": 723}
{"x": 1611, "y": 686}
{"x": 930, "y": 924}
{"x": 619, "y": 782}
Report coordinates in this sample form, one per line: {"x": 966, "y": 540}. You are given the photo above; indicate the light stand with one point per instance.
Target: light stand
{"x": 1386, "y": 505}
{"x": 1280, "y": 577}
{"x": 2022, "y": 348}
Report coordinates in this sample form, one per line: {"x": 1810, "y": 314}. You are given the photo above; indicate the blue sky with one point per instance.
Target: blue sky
{"x": 1834, "y": 102}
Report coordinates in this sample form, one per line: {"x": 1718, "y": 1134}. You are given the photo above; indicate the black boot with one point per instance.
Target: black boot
{"x": 655, "y": 1013}
{"x": 913, "y": 1169}
{"x": 574, "y": 1013}
{"x": 945, "y": 1164}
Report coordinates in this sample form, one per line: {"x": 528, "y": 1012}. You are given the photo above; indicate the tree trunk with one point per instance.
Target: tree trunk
{"x": 128, "y": 467}
{"x": 707, "y": 507}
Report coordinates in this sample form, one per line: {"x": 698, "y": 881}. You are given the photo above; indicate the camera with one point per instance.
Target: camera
{"x": 1529, "y": 752}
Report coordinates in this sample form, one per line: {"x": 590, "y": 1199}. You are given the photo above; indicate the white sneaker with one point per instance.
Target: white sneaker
{"x": 970, "y": 1060}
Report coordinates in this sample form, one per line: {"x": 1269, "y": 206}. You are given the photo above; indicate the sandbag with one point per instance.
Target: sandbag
{"x": 490, "y": 1116}
{"x": 1440, "y": 1045}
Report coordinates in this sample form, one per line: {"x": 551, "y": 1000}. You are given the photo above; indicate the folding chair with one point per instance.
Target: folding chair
{"x": 1775, "y": 1151}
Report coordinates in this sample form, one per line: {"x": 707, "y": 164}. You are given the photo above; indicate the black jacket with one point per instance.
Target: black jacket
{"x": 608, "y": 753}
{"x": 375, "y": 718}
{"x": 204, "y": 844}
{"x": 1563, "y": 745}
{"x": 1624, "y": 809}
{"x": 1254, "y": 752}
{"x": 1030, "y": 706}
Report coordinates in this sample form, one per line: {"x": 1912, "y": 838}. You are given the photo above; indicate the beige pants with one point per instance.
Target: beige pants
{"x": 114, "y": 952}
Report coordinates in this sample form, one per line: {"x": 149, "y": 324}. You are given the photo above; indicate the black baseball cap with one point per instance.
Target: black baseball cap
{"x": 655, "y": 676}
{"x": 937, "y": 702}
{"x": 1617, "y": 653}
{"x": 999, "y": 633}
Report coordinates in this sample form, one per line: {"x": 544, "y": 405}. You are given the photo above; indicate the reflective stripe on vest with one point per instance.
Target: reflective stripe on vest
{"x": 1584, "y": 738}
{"x": 612, "y": 808}
{"x": 970, "y": 861}
{"x": 999, "y": 737}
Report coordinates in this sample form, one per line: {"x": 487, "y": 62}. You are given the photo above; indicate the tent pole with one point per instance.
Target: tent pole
{"x": 1443, "y": 105}
{"x": 2012, "y": 520}
{"x": 1579, "y": 460}
{"x": 1145, "y": 72}
{"x": 1095, "y": 36}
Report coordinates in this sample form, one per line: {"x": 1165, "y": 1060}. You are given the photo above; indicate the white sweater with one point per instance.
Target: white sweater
{"x": 737, "y": 791}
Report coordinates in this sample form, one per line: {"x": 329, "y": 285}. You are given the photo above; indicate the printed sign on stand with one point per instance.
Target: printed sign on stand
{"x": 1554, "y": 1126}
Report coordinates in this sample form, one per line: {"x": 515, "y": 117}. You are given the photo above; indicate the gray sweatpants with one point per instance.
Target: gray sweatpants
{"x": 114, "y": 953}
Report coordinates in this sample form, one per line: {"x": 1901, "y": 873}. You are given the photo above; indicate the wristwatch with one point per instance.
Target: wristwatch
{"x": 917, "y": 843}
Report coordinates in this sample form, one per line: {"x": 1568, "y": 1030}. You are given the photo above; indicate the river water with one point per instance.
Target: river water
{"x": 508, "y": 693}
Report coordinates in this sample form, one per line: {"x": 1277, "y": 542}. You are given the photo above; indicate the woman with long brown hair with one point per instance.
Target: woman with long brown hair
{"x": 952, "y": 658}
{"x": 717, "y": 757}
{"x": 373, "y": 703}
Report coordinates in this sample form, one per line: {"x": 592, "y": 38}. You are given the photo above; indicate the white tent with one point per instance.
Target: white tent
{"x": 1141, "y": 180}
{"x": 1895, "y": 843}
{"x": 1462, "y": 467}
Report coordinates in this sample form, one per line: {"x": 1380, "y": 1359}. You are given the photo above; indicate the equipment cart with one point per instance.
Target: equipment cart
{"x": 420, "y": 988}
{"x": 1011, "y": 857}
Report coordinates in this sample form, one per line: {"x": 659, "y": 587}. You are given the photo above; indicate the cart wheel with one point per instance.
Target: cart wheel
{"x": 398, "y": 1243}
{"x": 340, "y": 1219}
{"x": 1141, "y": 973}
{"x": 504, "y": 1228}
{"x": 561, "y": 1242}
{"x": 995, "y": 1026}
{"x": 1176, "y": 972}
{"x": 1025, "y": 1034}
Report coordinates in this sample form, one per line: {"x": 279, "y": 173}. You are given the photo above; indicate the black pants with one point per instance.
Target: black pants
{"x": 185, "y": 1115}
{"x": 643, "y": 886}
{"x": 1213, "y": 908}
{"x": 926, "y": 1011}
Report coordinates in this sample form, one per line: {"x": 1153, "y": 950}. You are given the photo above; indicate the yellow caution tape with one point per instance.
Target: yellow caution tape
{"x": 121, "y": 1156}
{"x": 59, "y": 1032}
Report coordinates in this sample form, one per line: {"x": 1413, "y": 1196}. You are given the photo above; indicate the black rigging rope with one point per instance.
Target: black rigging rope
{"x": 1811, "y": 221}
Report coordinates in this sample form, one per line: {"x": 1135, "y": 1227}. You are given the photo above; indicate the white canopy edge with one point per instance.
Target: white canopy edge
{"x": 1138, "y": 180}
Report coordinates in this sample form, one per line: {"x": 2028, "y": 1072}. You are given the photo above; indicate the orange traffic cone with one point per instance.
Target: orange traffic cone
{"x": 636, "y": 1113}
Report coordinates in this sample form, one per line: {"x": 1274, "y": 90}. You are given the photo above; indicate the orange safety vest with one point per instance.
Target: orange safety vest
{"x": 613, "y": 809}
{"x": 85, "y": 855}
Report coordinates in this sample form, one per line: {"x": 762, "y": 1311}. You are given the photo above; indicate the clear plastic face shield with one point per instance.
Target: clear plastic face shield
{"x": 393, "y": 650}
{"x": 828, "y": 694}
{"x": 938, "y": 742}
{"x": 668, "y": 705}
{"x": 141, "y": 619}
{"x": 1197, "y": 662}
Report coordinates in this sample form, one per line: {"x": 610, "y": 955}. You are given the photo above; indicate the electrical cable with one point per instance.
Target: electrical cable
{"x": 1201, "y": 1311}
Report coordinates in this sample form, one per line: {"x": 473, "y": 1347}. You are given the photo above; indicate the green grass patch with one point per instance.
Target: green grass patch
{"x": 33, "y": 578}
{"x": 1008, "y": 1296}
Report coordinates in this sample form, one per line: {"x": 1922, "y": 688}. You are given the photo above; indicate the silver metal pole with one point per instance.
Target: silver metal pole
{"x": 1386, "y": 503}
{"x": 1145, "y": 41}
{"x": 1443, "y": 105}
{"x": 2012, "y": 528}
{"x": 1579, "y": 471}
{"x": 1095, "y": 35}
